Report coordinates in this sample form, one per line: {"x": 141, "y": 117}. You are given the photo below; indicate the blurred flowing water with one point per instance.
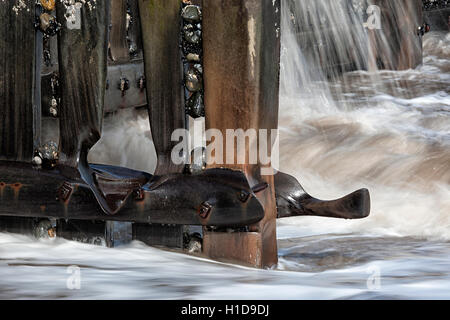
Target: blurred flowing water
{"x": 388, "y": 131}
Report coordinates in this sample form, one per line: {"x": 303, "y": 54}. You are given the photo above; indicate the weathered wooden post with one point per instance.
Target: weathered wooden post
{"x": 117, "y": 39}
{"x": 82, "y": 52}
{"x": 161, "y": 22}
{"x": 241, "y": 44}
{"x": 397, "y": 45}
{"x": 17, "y": 64}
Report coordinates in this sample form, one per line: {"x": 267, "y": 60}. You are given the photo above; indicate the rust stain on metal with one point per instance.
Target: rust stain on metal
{"x": 139, "y": 195}
{"x": 244, "y": 196}
{"x": 141, "y": 205}
{"x": 51, "y": 232}
{"x": 2, "y": 187}
{"x": 16, "y": 188}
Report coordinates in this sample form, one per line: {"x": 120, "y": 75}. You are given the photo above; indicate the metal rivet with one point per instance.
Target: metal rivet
{"x": 205, "y": 210}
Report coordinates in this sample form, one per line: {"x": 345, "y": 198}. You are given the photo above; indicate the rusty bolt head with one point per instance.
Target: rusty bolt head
{"x": 205, "y": 210}
{"x": 139, "y": 195}
{"x": 65, "y": 191}
{"x": 124, "y": 85}
{"x": 141, "y": 83}
{"x": 243, "y": 196}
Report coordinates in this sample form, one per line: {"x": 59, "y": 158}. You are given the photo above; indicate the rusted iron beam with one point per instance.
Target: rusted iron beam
{"x": 17, "y": 61}
{"x": 396, "y": 46}
{"x": 211, "y": 198}
{"x": 241, "y": 45}
{"x": 161, "y": 22}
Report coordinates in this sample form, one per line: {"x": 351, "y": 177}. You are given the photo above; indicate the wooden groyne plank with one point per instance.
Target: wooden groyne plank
{"x": 241, "y": 45}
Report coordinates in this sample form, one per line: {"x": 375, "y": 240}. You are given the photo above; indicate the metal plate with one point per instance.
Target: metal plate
{"x": 134, "y": 96}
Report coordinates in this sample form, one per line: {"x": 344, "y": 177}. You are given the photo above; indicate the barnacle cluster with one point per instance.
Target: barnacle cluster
{"x": 192, "y": 58}
{"x": 46, "y": 155}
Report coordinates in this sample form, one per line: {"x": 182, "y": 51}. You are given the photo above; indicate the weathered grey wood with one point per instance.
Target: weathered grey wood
{"x": 82, "y": 67}
{"x": 17, "y": 44}
{"x": 161, "y": 23}
{"x": 241, "y": 46}
{"x": 135, "y": 29}
{"x": 118, "y": 38}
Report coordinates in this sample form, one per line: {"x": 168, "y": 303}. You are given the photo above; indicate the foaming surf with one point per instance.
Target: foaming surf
{"x": 385, "y": 130}
{"x": 332, "y": 267}
{"x": 396, "y": 142}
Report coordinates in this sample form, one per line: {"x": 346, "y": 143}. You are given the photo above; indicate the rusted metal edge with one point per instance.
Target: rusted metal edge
{"x": 292, "y": 201}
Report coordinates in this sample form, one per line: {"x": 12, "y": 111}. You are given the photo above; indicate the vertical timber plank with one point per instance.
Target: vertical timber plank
{"x": 17, "y": 45}
{"x": 241, "y": 40}
{"x": 82, "y": 66}
{"x": 135, "y": 28}
{"x": 118, "y": 37}
{"x": 161, "y": 23}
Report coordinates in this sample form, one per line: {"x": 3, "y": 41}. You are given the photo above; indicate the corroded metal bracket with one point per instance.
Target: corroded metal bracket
{"x": 172, "y": 199}
{"x": 292, "y": 200}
